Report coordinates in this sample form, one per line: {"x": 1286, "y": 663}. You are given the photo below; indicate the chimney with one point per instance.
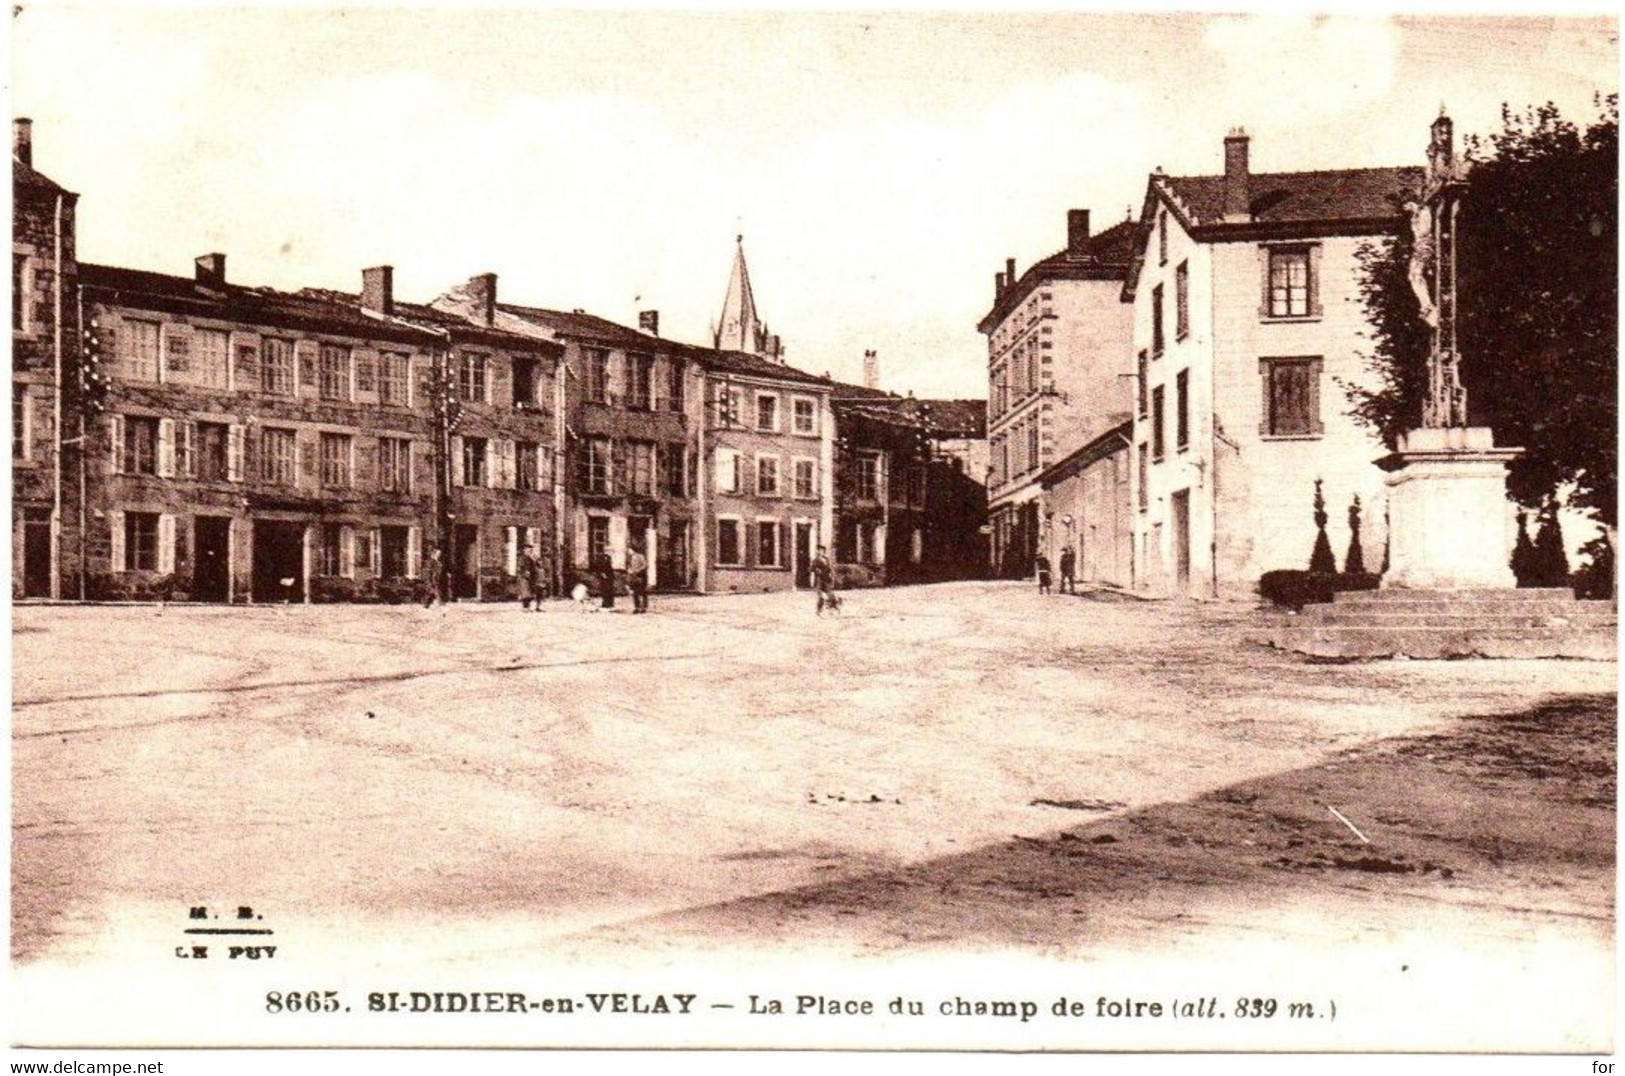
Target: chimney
{"x": 378, "y": 289}
{"x": 211, "y": 270}
{"x": 1077, "y": 232}
{"x": 22, "y": 140}
{"x": 998, "y": 286}
{"x": 1237, "y": 196}
{"x": 482, "y": 294}
{"x": 1009, "y": 272}
{"x": 649, "y": 322}
{"x": 871, "y": 370}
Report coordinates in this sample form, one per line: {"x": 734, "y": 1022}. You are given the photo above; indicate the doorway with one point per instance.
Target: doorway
{"x": 279, "y": 561}
{"x": 36, "y": 553}
{"x": 1180, "y": 504}
{"x": 465, "y": 561}
{"x": 804, "y": 555}
{"x": 211, "y": 564}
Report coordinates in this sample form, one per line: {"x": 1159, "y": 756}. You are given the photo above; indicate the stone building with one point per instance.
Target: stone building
{"x": 1057, "y": 338}
{"x": 1087, "y": 499}
{"x": 629, "y": 405}
{"x": 267, "y": 446}
{"x": 45, "y": 531}
{"x": 1247, "y": 322}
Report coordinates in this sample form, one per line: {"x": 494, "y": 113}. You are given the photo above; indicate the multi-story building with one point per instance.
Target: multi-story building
{"x": 1057, "y": 337}
{"x": 1247, "y": 324}
{"x": 44, "y": 337}
{"x": 1088, "y": 498}
{"x": 629, "y": 405}
{"x": 265, "y": 446}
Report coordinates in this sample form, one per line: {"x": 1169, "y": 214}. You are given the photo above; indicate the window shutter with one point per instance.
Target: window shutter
{"x": 1264, "y": 282}
{"x": 510, "y": 553}
{"x": 166, "y": 543}
{"x": 1314, "y": 281}
{"x": 456, "y": 459}
{"x": 421, "y": 473}
{"x": 115, "y": 521}
{"x": 115, "y": 446}
{"x": 375, "y": 554}
{"x": 414, "y": 552}
{"x": 544, "y": 467}
{"x": 166, "y": 448}
{"x": 506, "y": 471}
{"x": 784, "y": 545}
{"x": 347, "y": 551}
{"x": 658, "y": 380}
{"x": 186, "y": 454}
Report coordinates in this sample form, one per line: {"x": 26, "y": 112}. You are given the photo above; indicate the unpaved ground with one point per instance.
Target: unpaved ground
{"x": 957, "y": 768}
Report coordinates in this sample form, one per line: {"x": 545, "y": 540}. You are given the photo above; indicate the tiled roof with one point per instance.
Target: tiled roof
{"x": 427, "y": 317}
{"x": 746, "y": 365}
{"x": 183, "y": 295}
{"x": 1301, "y": 197}
{"x": 1106, "y": 256}
{"x": 963, "y": 418}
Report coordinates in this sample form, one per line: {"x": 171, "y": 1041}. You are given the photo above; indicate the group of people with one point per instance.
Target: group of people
{"x": 1069, "y": 567}
{"x": 637, "y": 583}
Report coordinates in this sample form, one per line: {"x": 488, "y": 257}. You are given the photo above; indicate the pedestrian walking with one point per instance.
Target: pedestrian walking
{"x": 823, "y": 578}
{"x": 637, "y": 580}
{"x": 1041, "y": 563}
{"x": 432, "y": 572}
{"x": 529, "y": 580}
{"x": 606, "y": 582}
{"x": 1069, "y": 566}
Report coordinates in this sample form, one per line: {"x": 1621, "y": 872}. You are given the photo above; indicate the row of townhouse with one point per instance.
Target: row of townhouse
{"x": 1164, "y": 397}
{"x": 232, "y": 443}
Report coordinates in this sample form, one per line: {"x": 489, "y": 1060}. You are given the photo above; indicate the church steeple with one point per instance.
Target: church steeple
{"x": 739, "y": 328}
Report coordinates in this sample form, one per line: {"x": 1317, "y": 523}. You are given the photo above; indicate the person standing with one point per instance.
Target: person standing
{"x": 527, "y": 580}
{"x": 823, "y": 578}
{"x": 432, "y": 571}
{"x": 1041, "y": 563}
{"x": 637, "y": 580}
{"x": 1069, "y": 565}
{"x": 606, "y": 582}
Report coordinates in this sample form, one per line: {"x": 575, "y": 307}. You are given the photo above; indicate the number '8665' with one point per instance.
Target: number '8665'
{"x": 302, "y": 1001}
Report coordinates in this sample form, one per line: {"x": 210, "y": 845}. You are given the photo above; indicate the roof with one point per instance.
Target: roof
{"x": 747, "y": 365}
{"x": 1104, "y": 257}
{"x": 312, "y": 309}
{"x": 26, "y": 177}
{"x": 1116, "y": 439}
{"x": 428, "y": 318}
{"x": 1349, "y": 194}
{"x": 738, "y": 326}
{"x": 947, "y": 418}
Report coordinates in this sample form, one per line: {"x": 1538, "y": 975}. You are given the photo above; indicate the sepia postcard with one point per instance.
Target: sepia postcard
{"x": 744, "y": 529}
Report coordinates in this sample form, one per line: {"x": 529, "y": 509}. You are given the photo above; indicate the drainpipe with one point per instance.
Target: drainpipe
{"x": 56, "y": 430}
{"x": 84, "y": 436}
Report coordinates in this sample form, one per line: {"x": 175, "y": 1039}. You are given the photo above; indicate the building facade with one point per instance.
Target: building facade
{"x": 1247, "y": 323}
{"x": 1087, "y": 495}
{"x": 1058, "y": 336}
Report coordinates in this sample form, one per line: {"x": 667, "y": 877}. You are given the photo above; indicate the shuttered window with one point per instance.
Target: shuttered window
{"x": 1291, "y": 397}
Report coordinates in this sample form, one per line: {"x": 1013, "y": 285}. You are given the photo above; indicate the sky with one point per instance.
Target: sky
{"x": 880, "y": 167}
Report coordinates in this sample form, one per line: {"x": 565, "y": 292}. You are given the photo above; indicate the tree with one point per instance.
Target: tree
{"x": 1538, "y": 285}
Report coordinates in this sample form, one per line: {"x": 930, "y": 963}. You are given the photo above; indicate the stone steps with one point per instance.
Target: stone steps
{"x": 1353, "y": 641}
{"x": 1445, "y": 618}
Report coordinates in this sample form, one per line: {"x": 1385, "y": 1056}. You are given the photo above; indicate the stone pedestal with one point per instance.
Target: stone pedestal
{"x": 1449, "y": 523}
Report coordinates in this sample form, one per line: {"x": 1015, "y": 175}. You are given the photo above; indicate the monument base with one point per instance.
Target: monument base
{"x": 1449, "y": 524}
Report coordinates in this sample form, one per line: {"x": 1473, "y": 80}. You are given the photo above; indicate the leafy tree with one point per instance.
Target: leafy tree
{"x": 1551, "y": 564}
{"x": 1538, "y": 290}
{"x": 1523, "y": 553}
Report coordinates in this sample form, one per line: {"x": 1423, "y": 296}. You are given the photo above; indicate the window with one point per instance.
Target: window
{"x": 1145, "y": 476}
{"x": 1156, "y": 320}
{"x": 394, "y": 371}
{"x": 210, "y": 450}
{"x": 597, "y": 375}
{"x": 335, "y": 373}
{"x": 277, "y": 456}
{"x": 527, "y": 476}
{"x": 21, "y": 448}
{"x": 1289, "y": 284}
{"x": 1182, "y": 410}
{"x": 804, "y": 415}
{"x": 141, "y": 541}
{"x": 141, "y": 350}
{"x": 336, "y": 460}
{"x": 868, "y": 477}
{"x": 214, "y": 355}
{"x": 727, "y": 471}
{"x": 471, "y": 378}
{"x": 1142, "y": 379}
{"x": 806, "y": 479}
{"x": 1291, "y": 397}
{"x": 767, "y": 543}
{"x": 392, "y": 545}
{"x": 276, "y": 374}
{"x": 767, "y": 476}
{"x": 674, "y": 370}
{"x": 526, "y": 382}
{"x": 675, "y": 467}
{"x": 248, "y": 366}
{"x": 767, "y": 413}
{"x": 330, "y": 552}
{"x": 597, "y": 539}
{"x": 914, "y": 484}
{"x": 395, "y": 464}
{"x": 177, "y": 352}
{"x": 366, "y": 372}
{"x": 1032, "y": 364}
{"x": 140, "y": 445}
{"x": 474, "y": 461}
{"x": 19, "y": 281}
{"x": 1162, "y": 238}
{"x": 1156, "y": 423}
{"x": 1032, "y": 445}
{"x": 592, "y": 458}
{"x": 728, "y": 551}
{"x": 1182, "y": 301}
{"x": 640, "y": 371}
{"x": 640, "y": 470}
{"x": 730, "y": 402}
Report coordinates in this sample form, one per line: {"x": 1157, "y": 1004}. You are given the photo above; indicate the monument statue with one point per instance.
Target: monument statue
{"x": 1433, "y": 277}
